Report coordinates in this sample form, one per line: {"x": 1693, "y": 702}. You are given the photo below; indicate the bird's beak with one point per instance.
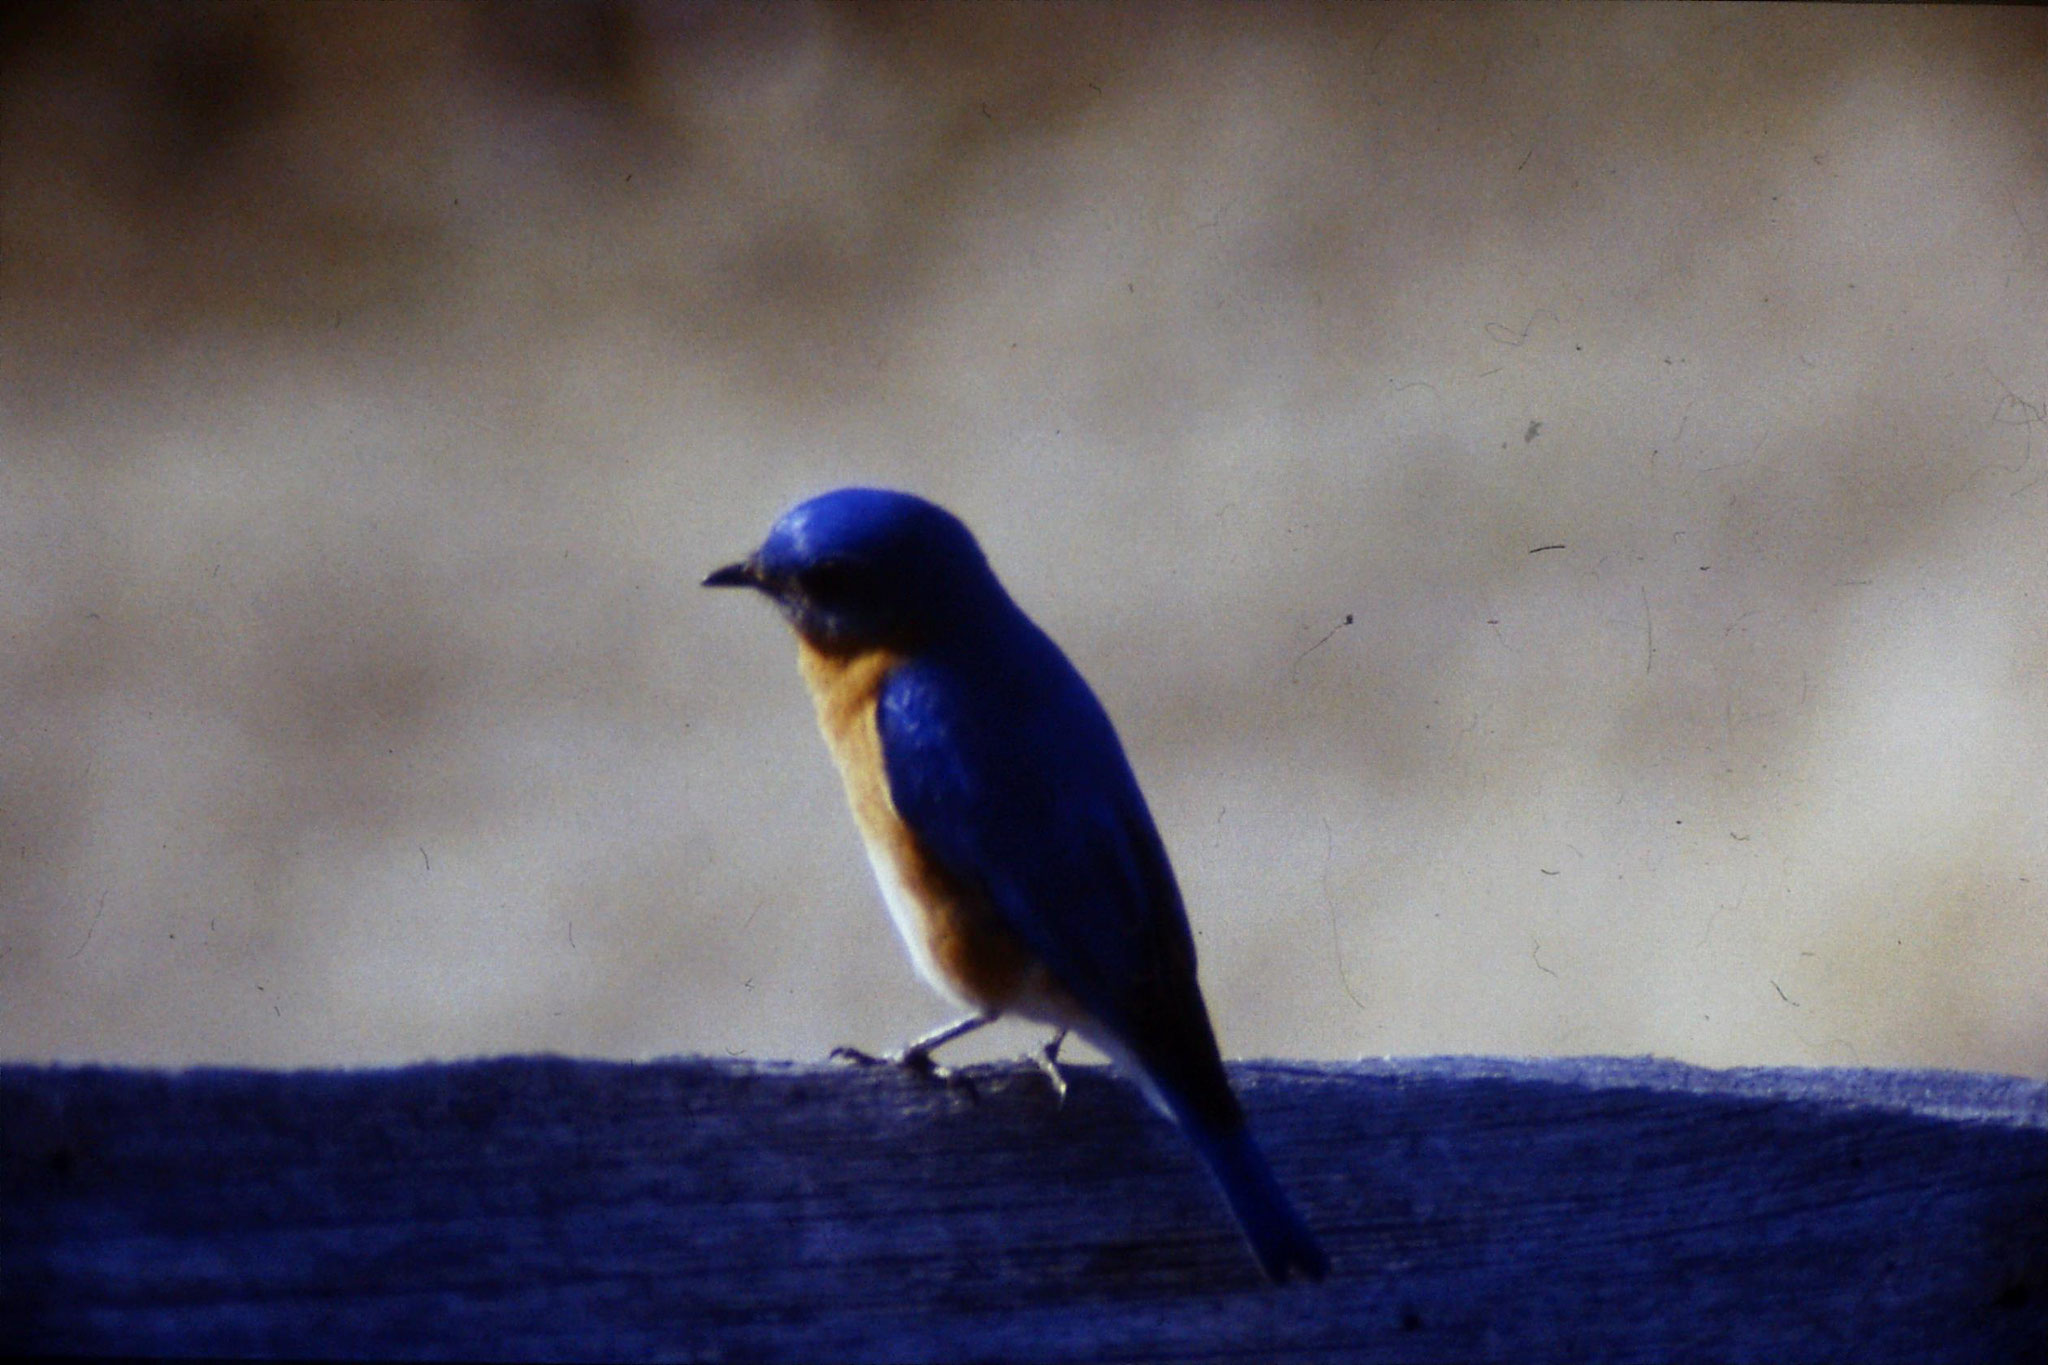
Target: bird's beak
{"x": 740, "y": 575}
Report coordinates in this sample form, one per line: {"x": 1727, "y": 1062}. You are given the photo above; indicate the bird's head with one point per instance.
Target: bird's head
{"x": 860, "y": 568}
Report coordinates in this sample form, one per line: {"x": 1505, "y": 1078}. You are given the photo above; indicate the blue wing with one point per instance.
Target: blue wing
{"x": 1009, "y": 772}
{"x": 1006, "y": 768}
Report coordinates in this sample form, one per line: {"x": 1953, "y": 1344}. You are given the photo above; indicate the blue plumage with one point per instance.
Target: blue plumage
{"x": 1005, "y": 824}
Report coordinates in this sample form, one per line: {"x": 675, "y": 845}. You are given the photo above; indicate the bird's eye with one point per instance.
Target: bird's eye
{"x": 831, "y": 579}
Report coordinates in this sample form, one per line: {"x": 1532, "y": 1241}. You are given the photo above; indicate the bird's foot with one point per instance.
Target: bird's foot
{"x": 1048, "y": 1059}
{"x": 916, "y": 1060}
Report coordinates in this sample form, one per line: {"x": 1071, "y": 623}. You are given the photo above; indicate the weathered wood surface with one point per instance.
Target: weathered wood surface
{"x": 694, "y": 1209}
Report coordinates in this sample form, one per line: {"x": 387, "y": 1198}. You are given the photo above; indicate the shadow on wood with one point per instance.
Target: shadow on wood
{"x": 541, "y": 1207}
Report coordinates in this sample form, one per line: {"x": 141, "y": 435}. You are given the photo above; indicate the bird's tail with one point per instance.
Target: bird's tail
{"x": 1279, "y": 1238}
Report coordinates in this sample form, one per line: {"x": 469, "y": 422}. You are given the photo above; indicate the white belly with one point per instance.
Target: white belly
{"x": 913, "y": 923}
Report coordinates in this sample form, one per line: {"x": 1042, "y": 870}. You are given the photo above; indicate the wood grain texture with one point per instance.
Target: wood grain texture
{"x": 538, "y": 1207}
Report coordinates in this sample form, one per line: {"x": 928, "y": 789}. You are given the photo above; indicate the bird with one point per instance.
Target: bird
{"x": 1003, "y": 821}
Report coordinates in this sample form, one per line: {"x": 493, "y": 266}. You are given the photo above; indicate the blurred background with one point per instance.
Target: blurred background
{"x": 1556, "y": 500}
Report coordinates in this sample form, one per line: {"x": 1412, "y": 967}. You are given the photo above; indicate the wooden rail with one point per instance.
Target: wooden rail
{"x": 536, "y": 1207}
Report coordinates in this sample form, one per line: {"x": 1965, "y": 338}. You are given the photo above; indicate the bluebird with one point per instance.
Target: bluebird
{"x": 1016, "y": 854}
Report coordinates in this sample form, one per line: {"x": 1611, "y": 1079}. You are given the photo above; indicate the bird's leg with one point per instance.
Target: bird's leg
{"x": 917, "y": 1056}
{"x": 1048, "y": 1061}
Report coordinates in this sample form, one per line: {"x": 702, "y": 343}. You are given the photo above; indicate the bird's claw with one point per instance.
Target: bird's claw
{"x": 1048, "y": 1060}
{"x": 917, "y": 1061}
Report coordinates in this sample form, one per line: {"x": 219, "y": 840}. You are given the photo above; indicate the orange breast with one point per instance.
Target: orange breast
{"x": 956, "y": 938}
